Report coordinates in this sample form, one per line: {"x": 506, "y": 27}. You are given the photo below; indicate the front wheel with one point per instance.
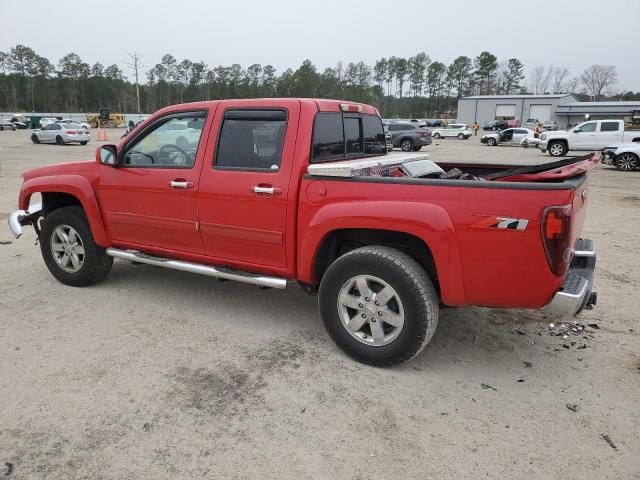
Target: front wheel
{"x": 378, "y": 305}
{"x": 461, "y": 136}
{"x": 406, "y": 145}
{"x": 68, "y": 248}
{"x": 492, "y": 142}
{"x": 59, "y": 140}
{"x": 557, "y": 149}
{"x": 83, "y": 143}
{"x": 627, "y": 161}
{"x": 437, "y": 136}
{"x": 35, "y": 139}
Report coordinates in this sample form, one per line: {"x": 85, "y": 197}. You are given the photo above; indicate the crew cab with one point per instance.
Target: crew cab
{"x": 269, "y": 191}
{"x": 587, "y": 136}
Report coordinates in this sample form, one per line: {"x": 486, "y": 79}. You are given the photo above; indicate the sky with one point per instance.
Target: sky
{"x": 283, "y": 33}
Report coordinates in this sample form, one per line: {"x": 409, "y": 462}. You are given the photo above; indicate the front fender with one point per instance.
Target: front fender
{"x": 429, "y": 222}
{"x": 75, "y": 185}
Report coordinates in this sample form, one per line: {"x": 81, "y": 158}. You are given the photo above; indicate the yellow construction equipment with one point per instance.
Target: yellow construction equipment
{"x": 105, "y": 119}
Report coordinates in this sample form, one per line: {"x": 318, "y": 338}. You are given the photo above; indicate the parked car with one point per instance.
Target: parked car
{"x": 510, "y": 136}
{"x": 549, "y": 126}
{"x": 20, "y": 125}
{"x": 531, "y": 123}
{"x": 44, "y": 121}
{"x": 513, "y": 123}
{"x": 587, "y": 136}
{"x": 61, "y": 134}
{"x": 69, "y": 121}
{"x": 294, "y": 194}
{"x": 6, "y": 124}
{"x": 495, "y": 125}
{"x": 408, "y": 136}
{"x": 454, "y": 130}
{"x": 624, "y": 156}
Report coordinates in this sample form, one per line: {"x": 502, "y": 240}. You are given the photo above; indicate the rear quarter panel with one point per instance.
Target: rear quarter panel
{"x": 476, "y": 264}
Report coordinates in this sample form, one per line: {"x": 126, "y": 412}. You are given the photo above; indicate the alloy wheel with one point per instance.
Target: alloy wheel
{"x": 67, "y": 248}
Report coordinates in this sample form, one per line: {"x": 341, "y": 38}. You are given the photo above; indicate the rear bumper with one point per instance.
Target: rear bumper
{"x": 577, "y": 290}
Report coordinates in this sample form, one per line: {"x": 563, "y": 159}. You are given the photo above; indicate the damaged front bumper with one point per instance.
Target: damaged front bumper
{"x": 577, "y": 291}
{"x": 20, "y": 218}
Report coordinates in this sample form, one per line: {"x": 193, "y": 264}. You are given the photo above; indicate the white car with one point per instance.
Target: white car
{"x": 6, "y": 124}
{"x": 508, "y": 136}
{"x": 453, "y": 130}
{"x": 44, "y": 121}
{"x": 61, "y": 134}
{"x": 624, "y": 156}
{"x": 69, "y": 121}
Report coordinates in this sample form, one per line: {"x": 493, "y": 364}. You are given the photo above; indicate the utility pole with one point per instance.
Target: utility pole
{"x": 135, "y": 65}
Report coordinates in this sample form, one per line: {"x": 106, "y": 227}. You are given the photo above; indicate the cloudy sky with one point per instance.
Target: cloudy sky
{"x": 574, "y": 34}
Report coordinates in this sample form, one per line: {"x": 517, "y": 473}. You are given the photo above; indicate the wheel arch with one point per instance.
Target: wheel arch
{"x": 66, "y": 190}
{"x": 433, "y": 245}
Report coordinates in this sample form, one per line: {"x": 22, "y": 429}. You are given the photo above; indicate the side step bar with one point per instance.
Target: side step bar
{"x": 227, "y": 274}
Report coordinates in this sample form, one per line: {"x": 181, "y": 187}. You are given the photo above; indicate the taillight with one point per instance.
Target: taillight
{"x": 556, "y": 237}
{"x": 70, "y": 132}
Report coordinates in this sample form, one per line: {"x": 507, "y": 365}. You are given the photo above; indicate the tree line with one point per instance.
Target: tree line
{"x": 406, "y": 87}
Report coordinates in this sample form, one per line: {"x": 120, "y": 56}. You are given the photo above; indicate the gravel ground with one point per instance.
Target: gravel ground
{"x": 162, "y": 374}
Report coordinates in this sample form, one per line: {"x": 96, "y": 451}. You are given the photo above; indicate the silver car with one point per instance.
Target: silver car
{"x": 61, "y": 134}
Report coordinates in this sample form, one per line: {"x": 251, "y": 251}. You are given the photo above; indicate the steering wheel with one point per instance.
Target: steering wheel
{"x": 169, "y": 146}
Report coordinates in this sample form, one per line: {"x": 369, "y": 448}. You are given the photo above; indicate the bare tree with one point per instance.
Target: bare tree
{"x": 573, "y": 85}
{"x": 135, "y": 64}
{"x": 541, "y": 79}
{"x": 559, "y": 77}
{"x": 598, "y": 78}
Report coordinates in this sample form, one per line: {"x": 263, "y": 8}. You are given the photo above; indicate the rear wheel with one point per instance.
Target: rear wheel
{"x": 491, "y": 142}
{"x": 406, "y": 145}
{"x": 34, "y": 138}
{"x": 627, "y": 161}
{"x": 417, "y": 149}
{"x": 557, "y": 149}
{"x": 59, "y": 140}
{"x": 436, "y": 136}
{"x": 378, "y": 305}
{"x": 83, "y": 143}
{"x": 460, "y": 136}
{"x": 68, "y": 248}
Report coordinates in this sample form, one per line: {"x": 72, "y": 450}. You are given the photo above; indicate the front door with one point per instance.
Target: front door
{"x": 584, "y": 139}
{"x": 244, "y": 186}
{"x": 150, "y": 199}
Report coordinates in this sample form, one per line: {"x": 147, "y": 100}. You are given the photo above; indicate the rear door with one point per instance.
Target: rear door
{"x": 518, "y": 135}
{"x": 609, "y": 134}
{"x": 244, "y": 186}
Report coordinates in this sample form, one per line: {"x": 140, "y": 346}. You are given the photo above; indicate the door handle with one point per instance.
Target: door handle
{"x": 178, "y": 183}
{"x": 266, "y": 190}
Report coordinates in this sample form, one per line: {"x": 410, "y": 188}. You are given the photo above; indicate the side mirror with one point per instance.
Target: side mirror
{"x": 577, "y": 130}
{"x": 107, "y": 155}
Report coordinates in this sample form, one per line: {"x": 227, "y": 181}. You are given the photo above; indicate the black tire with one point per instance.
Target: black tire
{"x": 83, "y": 143}
{"x": 406, "y": 145}
{"x": 627, "y": 161}
{"x": 1, "y": 128}
{"x": 437, "y": 136}
{"x": 557, "y": 149}
{"x": 413, "y": 287}
{"x": 461, "y": 136}
{"x": 416, "y": 148}
{"x": 96, "y": 263}
{"x": 59, "y": 140}
{"x": 34, "y": 138}
{"x": 492, "y": 142}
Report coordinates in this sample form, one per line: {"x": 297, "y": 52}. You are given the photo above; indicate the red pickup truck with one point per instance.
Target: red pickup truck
{"x": 265, "y": 191}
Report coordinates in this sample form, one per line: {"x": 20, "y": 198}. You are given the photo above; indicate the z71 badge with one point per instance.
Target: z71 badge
{"x": 504, "y": 223}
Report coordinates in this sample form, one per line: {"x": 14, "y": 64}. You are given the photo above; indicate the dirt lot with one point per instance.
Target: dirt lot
{"x": 161, "y": 374}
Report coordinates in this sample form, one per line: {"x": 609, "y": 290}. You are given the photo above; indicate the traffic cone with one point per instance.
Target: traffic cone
{"x": 99, "y": 136}
{"x": 105, "y": 135}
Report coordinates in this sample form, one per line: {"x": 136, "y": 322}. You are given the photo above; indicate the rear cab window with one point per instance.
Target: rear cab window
{"x": 344, "y": 135}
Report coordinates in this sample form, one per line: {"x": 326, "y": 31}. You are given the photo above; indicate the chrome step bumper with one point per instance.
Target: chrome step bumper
{"x": 224, "y": 273}
{"x": 577, "y": 290}
{"x": 23, "y": 217}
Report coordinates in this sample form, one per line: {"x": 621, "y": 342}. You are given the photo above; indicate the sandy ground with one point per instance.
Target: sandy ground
{"x": 161, "y": 374}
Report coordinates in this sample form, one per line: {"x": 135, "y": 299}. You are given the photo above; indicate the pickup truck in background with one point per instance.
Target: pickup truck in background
{"x": 268, "y": 191}
{"x": 588, "y": 136}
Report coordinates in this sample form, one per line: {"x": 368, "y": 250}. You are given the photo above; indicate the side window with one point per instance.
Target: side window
{"x": 170, "y": 144}
{"x": 328, "y": 137}
{"x": 251, "y": 139}
{"x": 373, "y": 134}
{"x": 408, "y": 127}
{"x": 55, "y": 126}
{"x": 589, "y": 127}
{"x": 609, "y": 126}
{"x": 394, "y": 127}
{"x": 352, "y": 135}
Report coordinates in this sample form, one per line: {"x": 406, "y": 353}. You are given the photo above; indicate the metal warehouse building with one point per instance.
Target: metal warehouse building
{"x": 574, "y": 112}
{"x": 484, "y": 108}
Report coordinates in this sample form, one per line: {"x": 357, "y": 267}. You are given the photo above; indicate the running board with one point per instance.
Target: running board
{"x": 236, "y": 275}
